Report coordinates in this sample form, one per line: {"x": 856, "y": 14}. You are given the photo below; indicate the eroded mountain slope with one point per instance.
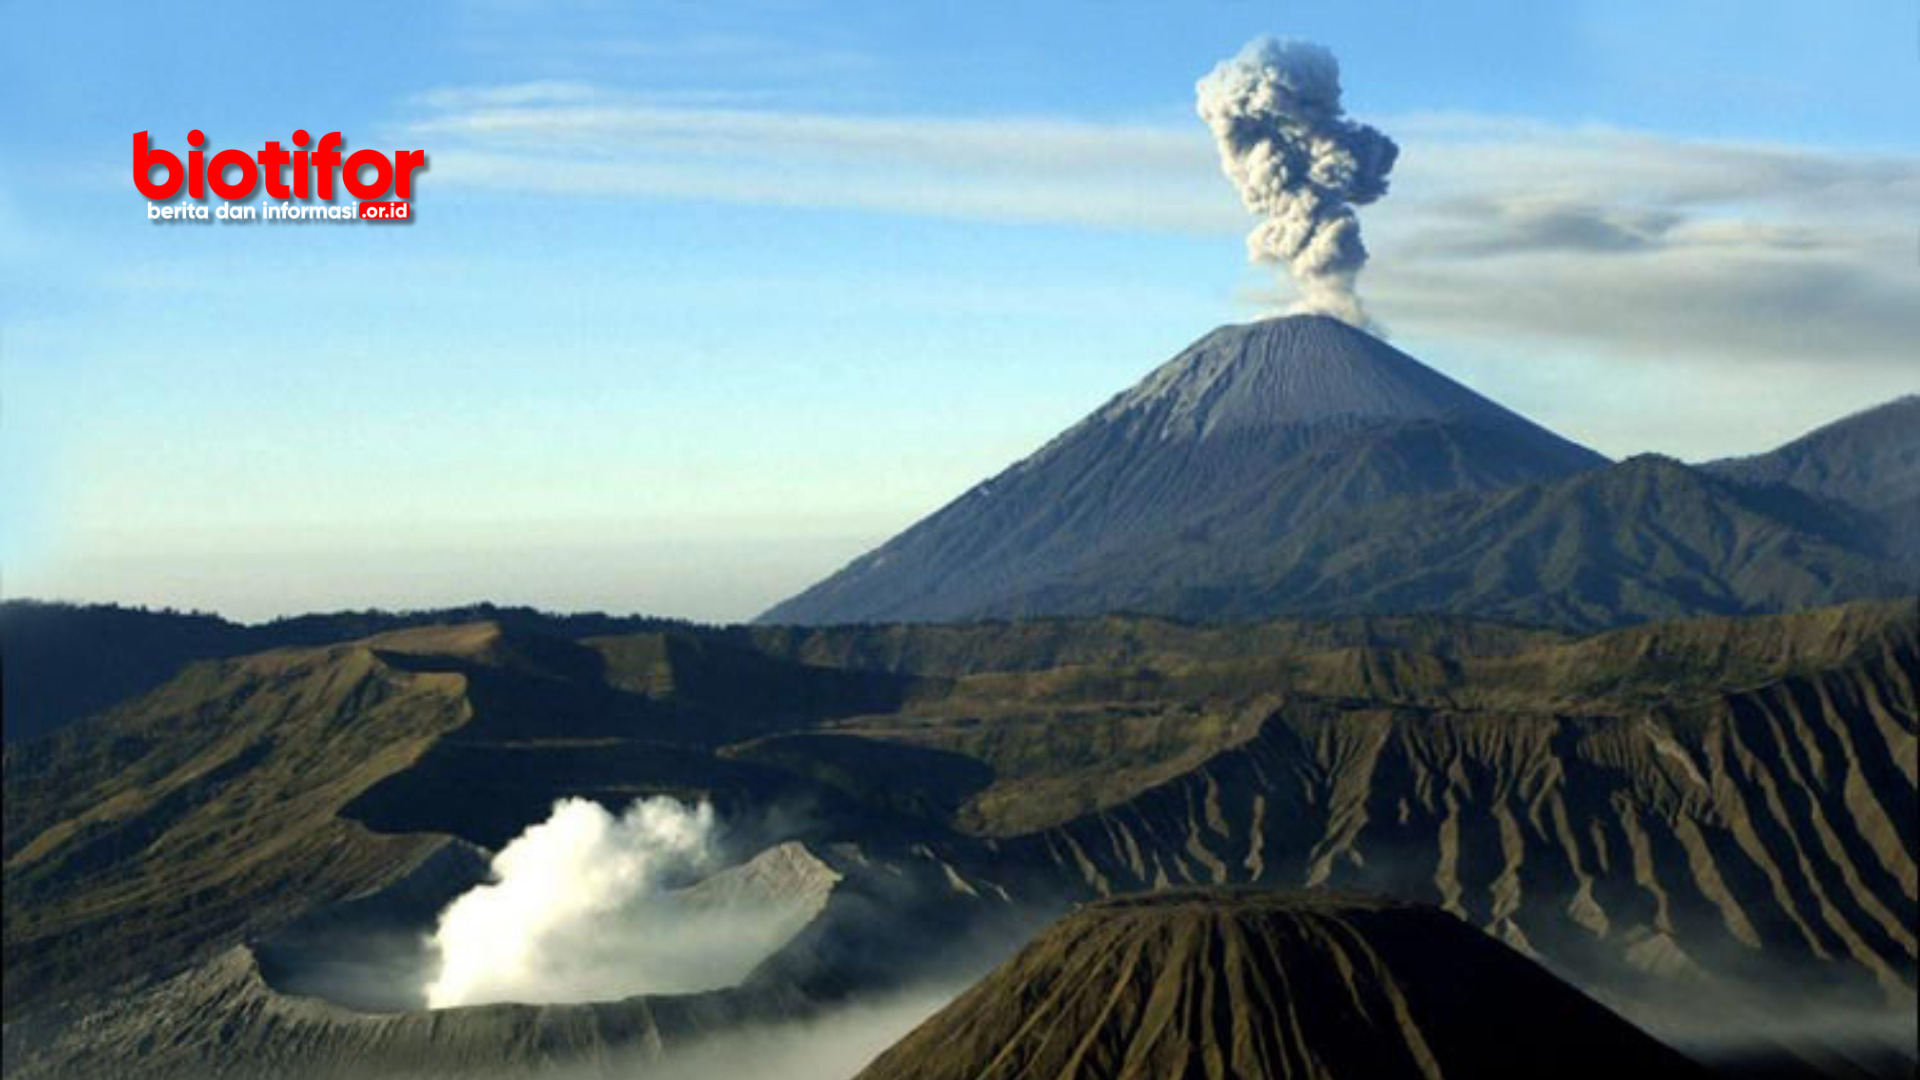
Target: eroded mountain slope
{"x": 1742, "y": 830}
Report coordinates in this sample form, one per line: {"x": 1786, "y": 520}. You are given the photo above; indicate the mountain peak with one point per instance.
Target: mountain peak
{"x": 1295, "y": 370}
{"x": 1203, "y": 468}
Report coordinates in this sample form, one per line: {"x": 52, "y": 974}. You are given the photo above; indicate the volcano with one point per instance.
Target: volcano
{"x": 1213, "y": 984}
{"x": 1246, "y": 436}
{"x": 1299, "y": 466}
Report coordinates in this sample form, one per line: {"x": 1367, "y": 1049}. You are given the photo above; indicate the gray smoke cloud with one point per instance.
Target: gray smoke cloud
{"x": 1299, "y": 163}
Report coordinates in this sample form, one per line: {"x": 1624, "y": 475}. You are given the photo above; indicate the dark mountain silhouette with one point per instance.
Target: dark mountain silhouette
{"x": 62, "y": 661}
{"x": 1299, "y": 466}
{"x": 1870, "y": 460}
{"x": 1246, "y": 435}
{"x": 1219, "y": 984}
{"x": 59, "y": 662}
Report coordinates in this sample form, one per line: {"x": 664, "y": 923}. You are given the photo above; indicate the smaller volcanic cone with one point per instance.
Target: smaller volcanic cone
{"x": 1218, "y": 984}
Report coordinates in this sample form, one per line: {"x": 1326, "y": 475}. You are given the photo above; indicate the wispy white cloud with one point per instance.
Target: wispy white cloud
{"x": 1630, "y": 243}
{"x": 511, "y": 95}
{"x": 770, "y": 58}
{"x": 1006, "y": 198}
{"x": 1018, "y": 170}
{"x": 1648, "y": 247}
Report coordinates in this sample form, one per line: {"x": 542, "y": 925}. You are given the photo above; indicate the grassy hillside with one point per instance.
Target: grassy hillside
{"x": 208, "y": 810}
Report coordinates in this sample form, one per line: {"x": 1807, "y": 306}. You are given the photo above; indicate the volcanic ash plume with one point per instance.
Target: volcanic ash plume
{"x": 574, "y": 913}
{"x": 1299, "y": 163}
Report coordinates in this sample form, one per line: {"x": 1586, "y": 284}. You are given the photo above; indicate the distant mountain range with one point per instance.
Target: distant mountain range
{"x": 1870, "y": 460}
{"x": 1295, "y": 466}
{"x": 1300, "y": 466}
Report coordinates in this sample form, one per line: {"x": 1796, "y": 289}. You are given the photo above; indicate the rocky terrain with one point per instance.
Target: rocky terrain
{"x": 1690, "y": 821}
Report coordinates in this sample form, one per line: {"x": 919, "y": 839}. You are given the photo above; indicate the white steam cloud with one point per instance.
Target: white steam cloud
{"x": 832, "y": 1046}
{"x": 581, "y": 910}
{"x": 1299, "y": 163}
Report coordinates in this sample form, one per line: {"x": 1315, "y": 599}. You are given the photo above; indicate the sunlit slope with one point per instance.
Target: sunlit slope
{"x": 208, "y": 809}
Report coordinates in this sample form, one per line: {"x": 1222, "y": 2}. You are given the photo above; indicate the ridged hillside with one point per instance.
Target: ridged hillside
{"x": 1756, "y": 835}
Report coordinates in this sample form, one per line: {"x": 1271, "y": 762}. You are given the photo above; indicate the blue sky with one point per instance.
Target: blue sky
{"x": 703, "y": 299}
